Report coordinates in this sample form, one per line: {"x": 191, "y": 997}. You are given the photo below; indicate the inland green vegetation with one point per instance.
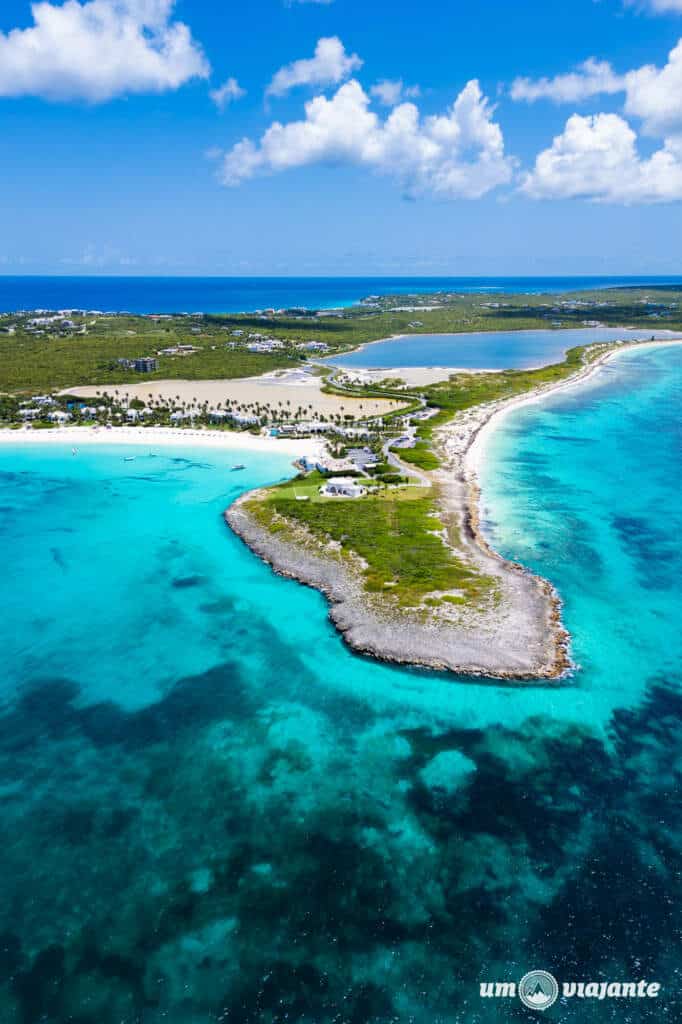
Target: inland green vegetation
{"x": 41, "y": 351}
{"x": 465, "y": 390}
{"x": 398, "y": 531}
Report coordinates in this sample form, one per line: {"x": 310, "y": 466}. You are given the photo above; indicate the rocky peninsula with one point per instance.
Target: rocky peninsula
{"x": 513, "y": 631}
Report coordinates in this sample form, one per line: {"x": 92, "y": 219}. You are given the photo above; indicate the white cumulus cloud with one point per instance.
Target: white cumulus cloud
{"x": 226, "y": 93}
{"x": 652, "y": 94}
{"x": 459, "y": 154}
{"x": 655, "y": 95}
{"x": 597, "y": 158}
{"x": 657, "y": 6}
{"x": 591, "y": 78}
{"x": 391, "y": 92}
{"x": 99, "y": 49}
{"x": 330, "y": 65}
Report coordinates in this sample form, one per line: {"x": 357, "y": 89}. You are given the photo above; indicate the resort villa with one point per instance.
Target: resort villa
{"x": 342, "y": 487}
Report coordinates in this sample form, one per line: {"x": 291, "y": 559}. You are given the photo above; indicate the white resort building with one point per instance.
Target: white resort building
{"x": 342, "y": 487}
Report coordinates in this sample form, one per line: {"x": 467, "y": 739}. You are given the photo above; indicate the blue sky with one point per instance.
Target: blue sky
{"x": 146, "y": 136}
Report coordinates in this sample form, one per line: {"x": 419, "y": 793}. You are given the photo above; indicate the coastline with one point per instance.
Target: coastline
{"x": 164, "y": 437}
{"x": 521, "y": 639}
{"x": 495, "y": 412}
{"x": 492, "y": 644}
{"x": 462, "y": 442}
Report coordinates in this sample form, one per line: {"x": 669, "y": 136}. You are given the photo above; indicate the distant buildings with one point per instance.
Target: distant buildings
{"x": 178, "y": 350}
{"x": 342, "y": 487}
{"x": 266, "y": 345}
{"x": 243, "y": 420}
{"x": 59, "y": 320}
{"x": 352, "y": 432}
{"x": 44, "y": 321}
{"x": 145, "y": 365}
{"x": 313, "y": 346}
{"x": 363, "y": 457}
{"x": 309, "y": 427}
{"x": 330, "y": 465}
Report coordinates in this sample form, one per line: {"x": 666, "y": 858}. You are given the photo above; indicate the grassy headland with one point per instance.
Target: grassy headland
{"x": 396, "y": 533}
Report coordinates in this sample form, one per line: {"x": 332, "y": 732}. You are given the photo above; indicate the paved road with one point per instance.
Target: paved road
{"x": 393, "y": 460}
{"x": 403, "y": 467}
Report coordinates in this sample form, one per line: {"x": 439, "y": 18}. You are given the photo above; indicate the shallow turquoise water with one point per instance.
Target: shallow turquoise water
{"x": 482, "y": 350}
{"x": 212, "y": 811}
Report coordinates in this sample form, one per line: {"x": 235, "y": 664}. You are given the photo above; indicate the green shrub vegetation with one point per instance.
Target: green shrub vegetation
{"x": 397, "y": 532}
{"x": 396, "y": 535}
{"x": 59, "y": 358}
{"x": 465, "y": 390}
{"x": 420, "y": 456}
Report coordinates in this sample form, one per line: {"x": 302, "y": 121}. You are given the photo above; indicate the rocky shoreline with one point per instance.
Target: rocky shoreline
{"x": 519, "y": 637}
{"x": 486, "y": 645}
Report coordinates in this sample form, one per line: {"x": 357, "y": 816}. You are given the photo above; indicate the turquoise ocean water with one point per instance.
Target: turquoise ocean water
{"x": 212, "y": 811}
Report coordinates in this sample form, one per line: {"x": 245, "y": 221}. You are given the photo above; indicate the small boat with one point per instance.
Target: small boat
{"x": 74, "y": 451}
{"x": 240, "y": 466}
{"x": 129, "y": 458}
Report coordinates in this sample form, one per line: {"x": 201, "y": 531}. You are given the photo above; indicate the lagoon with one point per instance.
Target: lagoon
{"x": 483, "y": 350}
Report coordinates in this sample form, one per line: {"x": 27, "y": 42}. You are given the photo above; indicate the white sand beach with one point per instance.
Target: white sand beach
{"x": 151, "y": 437}
{"x": 469, "y": 433}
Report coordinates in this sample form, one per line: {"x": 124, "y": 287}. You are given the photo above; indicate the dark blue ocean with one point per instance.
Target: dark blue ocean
{"x": 246, "y": 294}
